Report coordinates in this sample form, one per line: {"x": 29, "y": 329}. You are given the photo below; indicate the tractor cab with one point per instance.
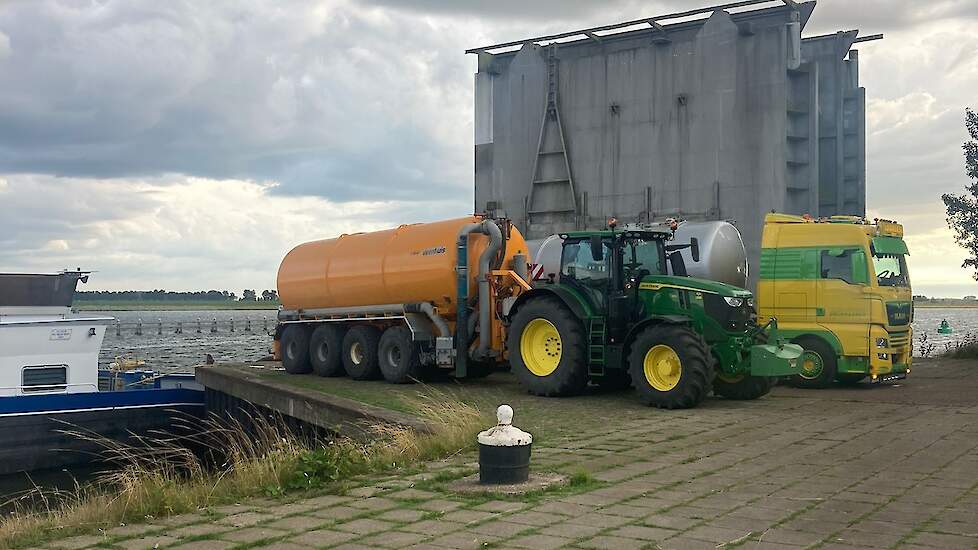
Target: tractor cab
{"x": 609, "y": 266}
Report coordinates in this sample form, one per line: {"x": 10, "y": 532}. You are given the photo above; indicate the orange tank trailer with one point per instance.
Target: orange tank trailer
{"x": 391, "y": 279}
{"x": 408, "y": 264}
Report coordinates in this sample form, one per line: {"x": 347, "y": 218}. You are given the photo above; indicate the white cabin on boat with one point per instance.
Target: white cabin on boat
{"x": 45, "y": 348}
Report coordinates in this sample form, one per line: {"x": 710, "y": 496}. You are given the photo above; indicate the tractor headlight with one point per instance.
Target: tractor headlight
{"x": 882, "y": 343}
{"x": 750, "y": 301}
{"x": 733, "y": 301}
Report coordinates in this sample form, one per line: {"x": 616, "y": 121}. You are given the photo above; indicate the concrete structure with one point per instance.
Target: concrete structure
{"x": 722, "y": 113}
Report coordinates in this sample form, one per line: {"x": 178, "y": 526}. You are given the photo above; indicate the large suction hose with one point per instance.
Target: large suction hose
{"x": 462, "y": 330}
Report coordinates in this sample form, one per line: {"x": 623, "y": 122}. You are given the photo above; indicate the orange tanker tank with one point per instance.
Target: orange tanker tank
{"x": 410, "y": 264}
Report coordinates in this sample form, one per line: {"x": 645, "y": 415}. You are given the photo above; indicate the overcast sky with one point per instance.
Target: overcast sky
{"x": 188, "y": 145}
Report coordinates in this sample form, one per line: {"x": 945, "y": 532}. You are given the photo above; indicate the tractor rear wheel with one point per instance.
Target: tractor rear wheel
{"x": 360, "y": 352}
{"x": 670, "y": 366}
{"x": 547, "y": 349}
{"x": 295, "y": 349}
{"x": 817, "y": 364}
{"x": 325, "y": 346}
{"x": 742, "y": 387}
{"x": 398, "y": 356}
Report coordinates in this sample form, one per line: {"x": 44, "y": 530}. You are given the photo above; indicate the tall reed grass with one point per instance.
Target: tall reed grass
{"x": 223, "y": 460}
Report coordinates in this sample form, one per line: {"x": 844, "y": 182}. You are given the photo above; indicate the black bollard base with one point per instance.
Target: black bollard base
{"x": 499, "y": 465}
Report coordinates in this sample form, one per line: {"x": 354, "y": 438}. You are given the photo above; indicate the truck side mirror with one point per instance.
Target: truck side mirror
{"x": 597, "y": 248}
{"x": 694, "y": 249}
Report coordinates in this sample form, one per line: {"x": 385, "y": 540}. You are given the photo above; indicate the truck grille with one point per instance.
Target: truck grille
{"x": 899, "y": 340}
{"x": 899, "y": 313}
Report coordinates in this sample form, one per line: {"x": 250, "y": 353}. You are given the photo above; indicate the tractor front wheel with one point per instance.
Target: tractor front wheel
{"x": 743, "y": 387}
{"x": 670, "y": 366}
{"x": 548, "y": 346}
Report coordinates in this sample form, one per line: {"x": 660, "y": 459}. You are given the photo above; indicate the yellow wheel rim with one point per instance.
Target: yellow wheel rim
{"x": 540, "y": 347}
{"x": 662, "y": 367}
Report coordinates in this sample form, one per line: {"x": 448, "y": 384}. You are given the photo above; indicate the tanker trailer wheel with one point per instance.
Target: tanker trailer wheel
{"x": 360, "y": 352}
{"x": 742, "y": 387}
{"x": 670, "y": 366}
{"x": 325, "y": 346}
{"x": 398, "y": 356}
{"x": 295, "y": 349}
{"x": 548, "y": 349}
{"x": 817, "y": 364}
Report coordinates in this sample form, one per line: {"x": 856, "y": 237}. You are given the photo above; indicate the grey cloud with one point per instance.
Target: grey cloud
{"x": 341, "y": 104}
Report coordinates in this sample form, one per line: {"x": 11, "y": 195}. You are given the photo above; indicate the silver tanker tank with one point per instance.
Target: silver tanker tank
{"x": 722, "y": 254}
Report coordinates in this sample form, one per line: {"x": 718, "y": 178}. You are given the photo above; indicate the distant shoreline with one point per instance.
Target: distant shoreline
{"x": 85, "y": 305}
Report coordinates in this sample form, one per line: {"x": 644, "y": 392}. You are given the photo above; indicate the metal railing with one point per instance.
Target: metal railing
{"x": 198, "y": 326}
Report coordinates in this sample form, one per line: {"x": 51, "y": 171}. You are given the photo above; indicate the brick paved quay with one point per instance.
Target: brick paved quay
{"x": 873, "y": 467}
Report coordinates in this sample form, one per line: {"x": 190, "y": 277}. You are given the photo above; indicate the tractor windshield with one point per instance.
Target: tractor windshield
{"x": 645, "y": 255}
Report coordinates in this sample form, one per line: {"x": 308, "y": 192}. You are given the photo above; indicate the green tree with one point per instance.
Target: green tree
{"x": 962, "y": 210}
{"x": 248, "y": 296}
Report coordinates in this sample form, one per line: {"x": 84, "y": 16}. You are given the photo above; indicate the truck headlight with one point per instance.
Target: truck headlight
{"x": 882, "y": 343}
{"x": 733, "y": 301}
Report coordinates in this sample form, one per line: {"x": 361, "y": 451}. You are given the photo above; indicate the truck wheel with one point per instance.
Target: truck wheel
{"x": 743, "y": 387}
{"x": 325, "y": 345}
{"x": 670, "y": 366}
{"x": 398, "y": 356}
{"x": 295, "y": 349}
{"x": 547, "y": 349}
{"x": 360, "y": 352}
{"x": 817, "y": 364}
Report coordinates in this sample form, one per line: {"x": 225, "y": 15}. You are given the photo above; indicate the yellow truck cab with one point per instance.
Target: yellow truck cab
{"x": 839, "y": 287}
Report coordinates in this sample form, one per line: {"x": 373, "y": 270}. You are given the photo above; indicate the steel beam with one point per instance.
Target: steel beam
{"x": 647, "y": 20}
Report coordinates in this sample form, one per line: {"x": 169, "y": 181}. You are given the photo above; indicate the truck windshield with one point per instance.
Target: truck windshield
{"x": 891, "y": 270}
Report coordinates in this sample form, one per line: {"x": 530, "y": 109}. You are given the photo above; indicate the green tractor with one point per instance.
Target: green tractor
{"x": 616, "y": 317}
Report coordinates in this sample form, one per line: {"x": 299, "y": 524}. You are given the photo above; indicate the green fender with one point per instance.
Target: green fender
{"x": 578, "y": 305}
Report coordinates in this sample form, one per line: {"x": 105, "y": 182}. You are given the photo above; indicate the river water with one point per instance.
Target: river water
{"x": 180, "y": 352}
{"x": 171, "y": 352}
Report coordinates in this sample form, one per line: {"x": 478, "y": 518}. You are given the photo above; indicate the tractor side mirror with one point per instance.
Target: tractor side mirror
{"x": 597, "y": 248}
{"x": 694, "y": 249}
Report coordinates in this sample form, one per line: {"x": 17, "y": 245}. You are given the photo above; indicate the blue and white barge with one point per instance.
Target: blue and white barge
{"x": 49, "y": 380}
